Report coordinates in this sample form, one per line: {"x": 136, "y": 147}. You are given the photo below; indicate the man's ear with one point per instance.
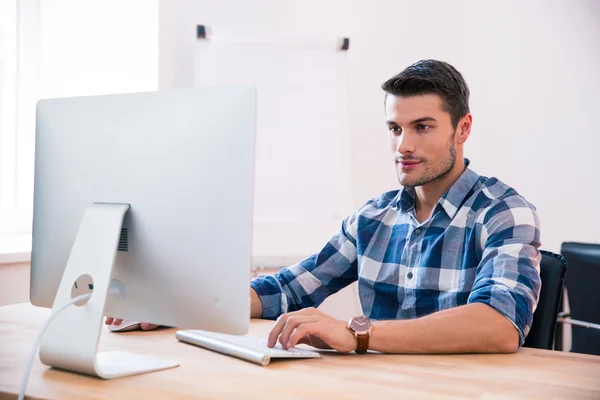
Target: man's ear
{"x": 464, "y": 128}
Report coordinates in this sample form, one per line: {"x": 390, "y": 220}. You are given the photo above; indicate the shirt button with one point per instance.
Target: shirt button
{"x": 417, "y": 231}
{"x": 409, "y": 275}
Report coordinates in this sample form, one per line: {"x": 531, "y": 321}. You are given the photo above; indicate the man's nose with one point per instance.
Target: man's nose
{"x": 405, "y": 144}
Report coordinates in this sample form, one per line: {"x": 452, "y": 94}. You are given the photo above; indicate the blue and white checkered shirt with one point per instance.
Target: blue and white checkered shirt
{"x": 479, "y": 246}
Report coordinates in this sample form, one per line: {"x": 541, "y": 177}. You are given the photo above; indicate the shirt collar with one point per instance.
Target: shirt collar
{"x": 451, "y": 200}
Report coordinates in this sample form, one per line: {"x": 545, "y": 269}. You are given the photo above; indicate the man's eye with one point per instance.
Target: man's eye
{"x": 422, "y": 128}
{"x": 395, "y": 129}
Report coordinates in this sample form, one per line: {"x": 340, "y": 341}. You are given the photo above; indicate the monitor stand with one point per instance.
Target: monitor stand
{"x": 71, "y": 341}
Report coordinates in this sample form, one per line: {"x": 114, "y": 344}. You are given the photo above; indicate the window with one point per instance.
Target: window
{"x": 18, "y": 95}
{"x": 8, "y": 114}
{"x": 54, "y": 49}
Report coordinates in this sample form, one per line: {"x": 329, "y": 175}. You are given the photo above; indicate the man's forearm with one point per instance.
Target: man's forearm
{"x": 472, "y": 328}
{"x": 255, "y": 305}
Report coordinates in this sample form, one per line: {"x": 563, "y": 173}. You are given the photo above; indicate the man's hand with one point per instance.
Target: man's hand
{"x": 143, "y": 325}
{"x": 312, "y": 327}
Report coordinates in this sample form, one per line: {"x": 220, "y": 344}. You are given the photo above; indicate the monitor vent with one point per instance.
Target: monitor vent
{"x": 123, "y": 241}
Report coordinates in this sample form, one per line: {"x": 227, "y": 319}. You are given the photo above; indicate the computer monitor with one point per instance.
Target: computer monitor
{"x": 151, "y": 195}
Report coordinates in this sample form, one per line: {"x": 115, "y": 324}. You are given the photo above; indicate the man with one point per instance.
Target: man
{"x": 447, "y": 264}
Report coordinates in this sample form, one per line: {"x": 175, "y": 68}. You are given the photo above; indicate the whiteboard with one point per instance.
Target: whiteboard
{"x": 302, "y": 176}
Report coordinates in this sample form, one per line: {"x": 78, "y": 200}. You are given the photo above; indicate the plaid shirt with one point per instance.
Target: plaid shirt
{"x": 479, "y": 246}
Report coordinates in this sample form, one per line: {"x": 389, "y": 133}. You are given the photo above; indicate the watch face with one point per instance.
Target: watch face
{"x": 360, "y": 324}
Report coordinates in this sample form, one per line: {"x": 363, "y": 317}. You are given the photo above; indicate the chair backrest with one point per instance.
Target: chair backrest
{"x": 552, "y": 273}
{"x": 583, "y": 291}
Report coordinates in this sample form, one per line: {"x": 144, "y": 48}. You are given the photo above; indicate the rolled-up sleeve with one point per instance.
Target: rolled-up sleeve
{"x": 309, "y": 282}
{"x": 508, "y": 277}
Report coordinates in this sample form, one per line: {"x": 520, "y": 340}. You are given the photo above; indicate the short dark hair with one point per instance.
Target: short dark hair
{"x": 433, "y": 77}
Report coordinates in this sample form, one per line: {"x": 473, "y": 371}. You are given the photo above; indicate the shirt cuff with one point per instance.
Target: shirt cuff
{"x": 269, "y": 292}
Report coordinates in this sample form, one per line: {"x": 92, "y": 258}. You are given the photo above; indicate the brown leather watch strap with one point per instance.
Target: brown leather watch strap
{"x": 362, "y": 343}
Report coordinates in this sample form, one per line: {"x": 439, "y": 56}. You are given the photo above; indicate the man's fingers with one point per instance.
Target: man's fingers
{"x": 312, "y": 329}
{"x": 143, "y": 325}
{"x": 281, "y": 321}
{"x": 292, "y": 323}
{"x": 276, "y": 330}
{"x": 112, "y": 320}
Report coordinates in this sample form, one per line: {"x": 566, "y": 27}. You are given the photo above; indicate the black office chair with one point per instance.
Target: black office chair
{"x": 552, "y": 273}
{"x": 583, "y": 292}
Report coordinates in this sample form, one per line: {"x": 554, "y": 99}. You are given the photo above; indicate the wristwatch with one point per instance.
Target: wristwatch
{"x": 361, "y": 328}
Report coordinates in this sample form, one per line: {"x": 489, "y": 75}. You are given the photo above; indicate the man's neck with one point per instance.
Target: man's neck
{"x": 428, "y": 195}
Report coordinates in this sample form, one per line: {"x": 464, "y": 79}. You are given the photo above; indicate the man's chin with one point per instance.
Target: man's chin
{"x": 408, "y": 181}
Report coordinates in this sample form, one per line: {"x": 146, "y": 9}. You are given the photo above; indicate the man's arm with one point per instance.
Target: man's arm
{"x": 508, "y": 275}
{"x": 472, "y": 328}
{"x": 255, "y": 305}
{"x": 312, "y": 280}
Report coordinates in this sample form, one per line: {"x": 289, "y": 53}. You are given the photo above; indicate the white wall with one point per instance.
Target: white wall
{"x": 97, "y": 47}
{"x": 532, "y": 67}
{"x": 14, "y": 283}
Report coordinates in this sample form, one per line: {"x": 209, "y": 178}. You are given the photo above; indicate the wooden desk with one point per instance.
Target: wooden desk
{"x": 203, "y": 374}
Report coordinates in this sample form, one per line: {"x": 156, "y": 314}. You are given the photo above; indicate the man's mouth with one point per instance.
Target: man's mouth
{"x": 408, "y": 165}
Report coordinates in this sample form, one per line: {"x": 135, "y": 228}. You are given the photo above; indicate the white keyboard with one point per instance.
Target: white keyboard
{"x": 249, "y": 348}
